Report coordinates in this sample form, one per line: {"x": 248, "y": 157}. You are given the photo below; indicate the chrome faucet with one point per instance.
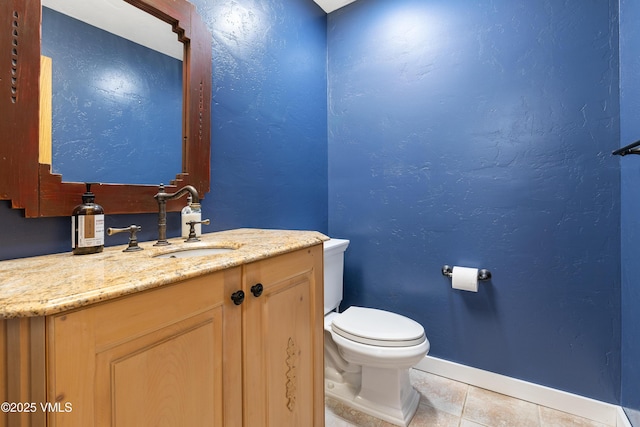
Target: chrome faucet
{"x": 162, "y": 197}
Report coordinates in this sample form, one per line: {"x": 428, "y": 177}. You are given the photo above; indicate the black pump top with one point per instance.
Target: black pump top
{"x": 88, "y": 197}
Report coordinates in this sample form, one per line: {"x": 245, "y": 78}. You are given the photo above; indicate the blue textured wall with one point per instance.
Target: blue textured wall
{"x": 269, "y": 130}
{"x": 479, "y": 134}
{"x": 630, "y": 201}
{"x": 117, "y": 105}
{"x": 269, "y": 124}
{"x": 471, "y": 133}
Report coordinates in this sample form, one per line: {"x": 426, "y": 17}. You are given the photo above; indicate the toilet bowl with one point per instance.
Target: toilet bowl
{"x": 368, "y": 352}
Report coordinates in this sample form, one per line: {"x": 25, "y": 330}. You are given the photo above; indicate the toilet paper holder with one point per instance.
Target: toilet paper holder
{"x": 483, "y": 274}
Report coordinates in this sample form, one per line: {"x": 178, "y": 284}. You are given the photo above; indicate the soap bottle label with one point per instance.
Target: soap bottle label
{"x": 186, "y": 213}
{"x": 192, "y": 216}
{"x": 90, "y": 231}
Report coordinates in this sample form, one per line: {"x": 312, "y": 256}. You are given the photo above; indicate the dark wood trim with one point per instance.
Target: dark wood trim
{"x": 19, "y": 86}
{"x": 30, "y": 185}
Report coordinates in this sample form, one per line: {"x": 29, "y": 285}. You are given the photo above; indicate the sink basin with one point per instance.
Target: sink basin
{"x": 188, "y": 253}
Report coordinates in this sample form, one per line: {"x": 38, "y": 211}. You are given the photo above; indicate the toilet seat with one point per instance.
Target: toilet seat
{"x": 378, "y": 328}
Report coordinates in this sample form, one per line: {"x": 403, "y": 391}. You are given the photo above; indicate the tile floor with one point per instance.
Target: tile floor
{"x": 447, "y": 403}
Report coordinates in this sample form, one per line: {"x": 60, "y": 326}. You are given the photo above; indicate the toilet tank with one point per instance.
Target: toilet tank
{"x": 333, "y": 272}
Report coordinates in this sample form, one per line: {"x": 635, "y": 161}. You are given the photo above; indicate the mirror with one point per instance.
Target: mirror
{"x": 116, "y": 93}
{"x": 29, "y": 183}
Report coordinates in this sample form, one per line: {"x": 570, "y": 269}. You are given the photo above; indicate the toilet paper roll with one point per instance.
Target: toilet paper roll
{"x": 465, "y": 278}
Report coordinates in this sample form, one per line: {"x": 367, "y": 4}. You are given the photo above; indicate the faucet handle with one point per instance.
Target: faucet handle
{"x": 133, "y": 237}
{"x": 192, "y": 229}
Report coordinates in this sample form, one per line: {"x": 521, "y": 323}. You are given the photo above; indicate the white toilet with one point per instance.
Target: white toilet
{"x": 368, "y": 352}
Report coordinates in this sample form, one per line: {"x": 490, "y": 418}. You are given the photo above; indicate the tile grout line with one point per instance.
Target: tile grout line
{"x": 464, "y": 404}
{"x": 539, "y": 412}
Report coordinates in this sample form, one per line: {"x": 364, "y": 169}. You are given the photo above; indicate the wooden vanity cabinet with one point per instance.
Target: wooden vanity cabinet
{"x": 283, "y": 341}
{"x": 149, "y": 359}
{"x": 181, "y": 355}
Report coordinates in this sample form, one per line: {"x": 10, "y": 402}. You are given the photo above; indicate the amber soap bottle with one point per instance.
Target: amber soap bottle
{"x": 87, "y": 226}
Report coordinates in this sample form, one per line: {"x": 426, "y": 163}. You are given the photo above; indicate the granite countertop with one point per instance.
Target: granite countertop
{"x": 50, "y": 284}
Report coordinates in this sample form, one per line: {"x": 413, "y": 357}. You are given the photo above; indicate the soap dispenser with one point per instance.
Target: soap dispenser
{"x": 191, "y": 212}
{"x": 87, "y": 225}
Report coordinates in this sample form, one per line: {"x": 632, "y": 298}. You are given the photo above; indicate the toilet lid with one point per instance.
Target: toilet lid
{"x": 378, "y": 327}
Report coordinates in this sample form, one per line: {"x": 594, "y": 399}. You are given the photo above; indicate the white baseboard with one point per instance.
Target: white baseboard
{"x": 622, "y": 420}
{"x": 594, "y": 410}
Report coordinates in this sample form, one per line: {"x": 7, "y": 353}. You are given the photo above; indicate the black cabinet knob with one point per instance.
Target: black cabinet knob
{"x": 257, "y": 289}
{"x": 237, "y": 297}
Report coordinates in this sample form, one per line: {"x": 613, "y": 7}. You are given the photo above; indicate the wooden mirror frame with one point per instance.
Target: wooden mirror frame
{"x": 30, "y": 185}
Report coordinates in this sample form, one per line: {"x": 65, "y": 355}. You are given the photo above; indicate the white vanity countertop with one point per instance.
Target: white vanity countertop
{"x": 50, "y": 284}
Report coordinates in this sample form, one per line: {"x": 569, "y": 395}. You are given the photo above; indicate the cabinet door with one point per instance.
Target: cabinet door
{"x": 150, "y": 359}
{"x": 283, "y": 341}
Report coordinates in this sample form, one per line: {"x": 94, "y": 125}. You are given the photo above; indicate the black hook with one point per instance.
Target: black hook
{"x": 629, "y": 149}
